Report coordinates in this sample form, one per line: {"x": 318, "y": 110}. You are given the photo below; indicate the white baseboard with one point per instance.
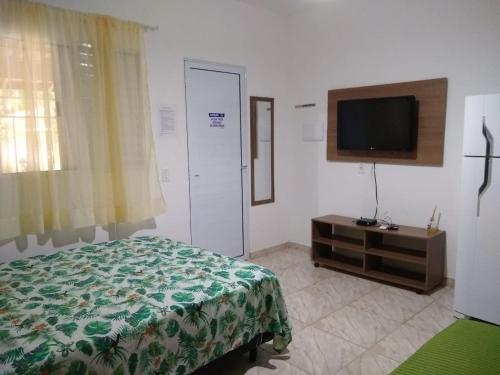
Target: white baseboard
{"x": 273, "y": 249}
{"x": 298, "y": 246}
{"x": 450, "y": 282}
{"x": 267, "y": 250}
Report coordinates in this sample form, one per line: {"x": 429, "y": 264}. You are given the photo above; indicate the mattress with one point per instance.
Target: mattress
{"x": 135, "y": 306}
{"x": 464, "y": 348}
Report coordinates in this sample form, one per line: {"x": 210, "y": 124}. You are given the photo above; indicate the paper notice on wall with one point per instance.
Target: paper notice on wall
{"x": 313, "y": 120}
{"x": 167, "y": 120}
{"x": 216, "y": 120}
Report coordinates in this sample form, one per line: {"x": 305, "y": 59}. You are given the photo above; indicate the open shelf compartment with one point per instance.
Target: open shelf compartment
{"x": 322, "y": 232}
{"x": 341, "y": 259}
{"x": 347, "y": 243}
{"x": 403, "y": 249}
{"x": 348, "y": 238}
{"x": 398, "y": 253}
{"x": 395, "y": 271}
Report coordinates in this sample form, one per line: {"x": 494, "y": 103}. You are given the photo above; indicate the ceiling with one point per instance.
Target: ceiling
{"x": 284, "y": 6}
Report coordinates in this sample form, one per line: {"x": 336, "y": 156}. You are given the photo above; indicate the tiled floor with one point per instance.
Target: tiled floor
{"x": 343, "y": 324}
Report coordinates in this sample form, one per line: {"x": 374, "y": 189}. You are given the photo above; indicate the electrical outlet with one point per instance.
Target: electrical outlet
{"x": 361, "y": 168}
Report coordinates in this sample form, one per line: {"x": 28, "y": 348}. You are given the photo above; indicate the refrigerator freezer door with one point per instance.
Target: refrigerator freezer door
{"x": 478, "y": 262}
{"x": 481, "y": 110}
{"x": 492, "y": 121}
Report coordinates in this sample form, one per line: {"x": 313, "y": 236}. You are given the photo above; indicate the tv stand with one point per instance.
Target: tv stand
{"x": 409, "y": 257}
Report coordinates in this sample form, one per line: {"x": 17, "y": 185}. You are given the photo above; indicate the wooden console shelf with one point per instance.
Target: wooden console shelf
{"x": 408, "y": 257}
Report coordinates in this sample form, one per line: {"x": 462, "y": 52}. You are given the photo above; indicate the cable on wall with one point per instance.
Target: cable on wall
{"x": 374, "y": 173}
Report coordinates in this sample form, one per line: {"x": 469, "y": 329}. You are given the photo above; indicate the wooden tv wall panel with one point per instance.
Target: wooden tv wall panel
{"x": 431, "y": 98}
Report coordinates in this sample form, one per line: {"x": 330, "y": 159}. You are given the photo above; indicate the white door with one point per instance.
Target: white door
{"x": 216, "y": 147}
{"x": 478, "y": 263}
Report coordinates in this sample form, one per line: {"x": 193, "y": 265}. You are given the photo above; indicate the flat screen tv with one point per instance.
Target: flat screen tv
{"x": 382, "y": 124}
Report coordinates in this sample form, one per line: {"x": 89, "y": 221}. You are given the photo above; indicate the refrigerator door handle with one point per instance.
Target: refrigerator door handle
{"x": 486, "y": 179}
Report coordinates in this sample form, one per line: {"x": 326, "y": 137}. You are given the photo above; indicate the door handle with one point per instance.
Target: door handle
{"x": 486, "y": 177}
{"x": 196, "y": 175}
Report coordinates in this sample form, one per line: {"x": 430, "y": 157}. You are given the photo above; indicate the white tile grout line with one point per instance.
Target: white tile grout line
{"x": 365, "y": 349}
{"x": 350, "y": 304}
{"x": 400, "y": 325}
{"x": 371, "y": 347}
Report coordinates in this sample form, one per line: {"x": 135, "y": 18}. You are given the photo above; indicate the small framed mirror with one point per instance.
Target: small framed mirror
{"x": 262, "y": 149}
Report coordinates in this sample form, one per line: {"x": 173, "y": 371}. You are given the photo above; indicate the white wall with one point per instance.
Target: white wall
{"x": 360, "y": 42}
{"x": 222, "y": 31}
{"x": 297, "y": 59}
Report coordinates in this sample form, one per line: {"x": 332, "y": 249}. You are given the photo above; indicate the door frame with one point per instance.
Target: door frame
{"x": 241, "y": 71}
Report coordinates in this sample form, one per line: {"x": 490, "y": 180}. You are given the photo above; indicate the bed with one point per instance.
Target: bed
{"x": 464, "y": 348}
{"x": 144, "y": 305}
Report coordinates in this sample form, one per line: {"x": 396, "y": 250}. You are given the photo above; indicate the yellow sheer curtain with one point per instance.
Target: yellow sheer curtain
{"x": 76, "y": 144}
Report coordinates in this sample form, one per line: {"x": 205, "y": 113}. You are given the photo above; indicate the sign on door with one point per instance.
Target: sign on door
{"x": 216, "y": 120}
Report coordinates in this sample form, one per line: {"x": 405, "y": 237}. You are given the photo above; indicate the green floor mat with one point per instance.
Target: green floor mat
{"x": 464, "y": 348}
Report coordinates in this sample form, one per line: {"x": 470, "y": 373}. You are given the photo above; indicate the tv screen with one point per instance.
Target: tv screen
{"x": 384, "y": 124}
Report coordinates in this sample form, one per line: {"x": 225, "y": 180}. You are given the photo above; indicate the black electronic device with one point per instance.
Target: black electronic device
{"x": 366, "y": 222}
{"x": 377, "y": 124}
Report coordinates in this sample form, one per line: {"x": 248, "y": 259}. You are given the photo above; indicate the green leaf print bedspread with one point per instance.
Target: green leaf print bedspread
{"x": 144, "y": 305}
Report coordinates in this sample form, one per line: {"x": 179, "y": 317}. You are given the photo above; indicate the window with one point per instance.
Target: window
{"x": 73, "y": 107}
{"x": 29, "y": 139}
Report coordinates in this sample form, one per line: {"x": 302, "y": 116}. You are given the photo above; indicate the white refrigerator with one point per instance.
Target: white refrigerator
{"x": 477, "y": 279}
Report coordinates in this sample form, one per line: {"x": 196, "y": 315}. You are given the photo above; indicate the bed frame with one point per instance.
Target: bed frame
{"x": 251, "y": 347}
